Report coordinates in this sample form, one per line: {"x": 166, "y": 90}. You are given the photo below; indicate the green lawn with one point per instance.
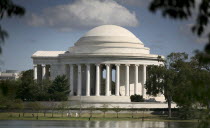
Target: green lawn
{"x": 85, "y": 116}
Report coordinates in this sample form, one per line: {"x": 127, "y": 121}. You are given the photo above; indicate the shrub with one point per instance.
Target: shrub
{"x": 136, "y": 98}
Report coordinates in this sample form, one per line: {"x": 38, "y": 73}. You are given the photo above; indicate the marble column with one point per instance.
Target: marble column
{"x": 136, "y": 78}
{"x": 35, "y": 72}
{"x": 39, "y": 73}
{"x": 107, "y": 80}
{"x": 144, "y": 81}
{"x": 87, "y": 79}
{"x": 117, "y": 78}
{"x": 71, "y": 80}
{"x": 127, "y": 80}
{"x": 110, "y": 79}
{"x": 79, "y": 82}
{"x": 47, "y": 73}
{"x": 43, "y": 71}
{"x": 97, "y": 79}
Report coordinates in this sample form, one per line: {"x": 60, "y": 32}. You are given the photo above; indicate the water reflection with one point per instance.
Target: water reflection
{"x": 94, "y": 124}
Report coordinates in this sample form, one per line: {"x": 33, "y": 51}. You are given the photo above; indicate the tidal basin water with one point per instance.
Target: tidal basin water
{"x": 94, "y": 124}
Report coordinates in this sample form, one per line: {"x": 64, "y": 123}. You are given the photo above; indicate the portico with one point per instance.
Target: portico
{"x": 107, "y": 64}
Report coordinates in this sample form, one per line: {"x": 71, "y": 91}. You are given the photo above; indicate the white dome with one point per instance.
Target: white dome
{"x": 109, "y": 30}
{"x": 109, "y": 39}
{"x": 108, "y": 33}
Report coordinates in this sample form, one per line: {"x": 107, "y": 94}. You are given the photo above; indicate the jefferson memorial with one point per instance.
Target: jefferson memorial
{"x": 107, "y": 64}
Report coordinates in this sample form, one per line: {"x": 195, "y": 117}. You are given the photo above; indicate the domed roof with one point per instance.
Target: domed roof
{"x": 108, "y": 33}
{"x": 109, "y": 39}
{"x": 109, "y": 30}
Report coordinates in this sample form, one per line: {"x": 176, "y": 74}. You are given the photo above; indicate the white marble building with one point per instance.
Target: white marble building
{"x": 10, "y": 75}
{"x": 105, "y": 53}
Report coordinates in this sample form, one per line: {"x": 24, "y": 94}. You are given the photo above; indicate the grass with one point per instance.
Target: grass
{"x": 85, "y": 116}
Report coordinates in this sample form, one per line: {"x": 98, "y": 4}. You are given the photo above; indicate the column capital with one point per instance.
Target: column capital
{"x": 127, "y": 64}
{"x": 107, "y": 64}
{"x": 136, "y": 64}
{"x": 144, "y": 64}
{"x": 43, "y": 65}
{"x": 87, "y": 64}
{"x": 117, "y": 64}
{"x": 35, "y": 65}
{"x": 98, "y": 64}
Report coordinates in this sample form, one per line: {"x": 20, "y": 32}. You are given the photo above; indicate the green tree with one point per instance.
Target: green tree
{"x": 8, "y": 9}
{"x": 42, "y": 88}
{"x": 18, "y": 105}
{"x": 193, "y": 85}
{"x": 27, "y": 89}
{"x": 59, "y": 90}
{"x": 91, "y": 109}
{"x": 117, "y": 109}
{"x": 8, "y": 88}
{"x": 132, "y": 109}
{"x": 104, "y": 109}
{"x": 165, "y": 79}
{"x": 160, "y": 81}
{"x": 62, "y": 107}
{"x": 36, "y": 107}
{"x": 201, "y": 85}
{"x": 45, "y": 108}
{"x": 184, "y": 10}
{"x": 53, "y": 106}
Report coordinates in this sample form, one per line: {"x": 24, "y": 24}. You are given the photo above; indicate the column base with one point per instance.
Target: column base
{"x": 100, "y": 98}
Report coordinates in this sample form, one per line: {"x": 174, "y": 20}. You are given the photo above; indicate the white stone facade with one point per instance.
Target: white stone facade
{"x": 9, "y": 75}
{"x": 106, "y": 53}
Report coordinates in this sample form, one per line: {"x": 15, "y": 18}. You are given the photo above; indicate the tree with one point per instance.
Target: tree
{"x": 185, "y": 9}
{"x": 42, "y": 88}
{"x": 160, "y": 81}
{"x": 45, "y": 108}
{"x": 18, "y": 105}
{"x": 8, "y": 89}
{"x": 132, "y": 109}
{"x": 8, "y": 9}
{"x": 201, "y": 84}
{"x": 59, "y": 90}
{"x": 117, "y": 109}
{"x": 52, "y": 106}
{"x": 36, "y": 107}
{"x": 193, "y": 85}
{"x": 91, "y": 109}
{"x": 62, "y": 106}
{"x": 104, "y": 108}
{"x": 164, "y": 79}
{"x": 27, "y": 89}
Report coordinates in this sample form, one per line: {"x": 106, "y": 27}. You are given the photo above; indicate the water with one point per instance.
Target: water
{"x": 94, "y": 124}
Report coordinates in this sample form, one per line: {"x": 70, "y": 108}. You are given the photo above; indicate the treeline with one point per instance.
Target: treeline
{"x": 26, "y": 89}
{"x": 183, "y": 80}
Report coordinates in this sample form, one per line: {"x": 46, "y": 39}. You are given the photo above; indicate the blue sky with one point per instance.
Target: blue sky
{"x": 57, "y": 24}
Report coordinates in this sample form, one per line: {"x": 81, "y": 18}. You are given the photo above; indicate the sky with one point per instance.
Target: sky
{"x": 55, "y": 25}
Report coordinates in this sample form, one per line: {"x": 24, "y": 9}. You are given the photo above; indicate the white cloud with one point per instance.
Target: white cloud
{"x": 135, "y": 3}
{"x": 83, "y": 13}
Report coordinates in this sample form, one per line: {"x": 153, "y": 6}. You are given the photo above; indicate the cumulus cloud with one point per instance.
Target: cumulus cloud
{"x": 83, "y": 13}
{"x": 135, "y": 3}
